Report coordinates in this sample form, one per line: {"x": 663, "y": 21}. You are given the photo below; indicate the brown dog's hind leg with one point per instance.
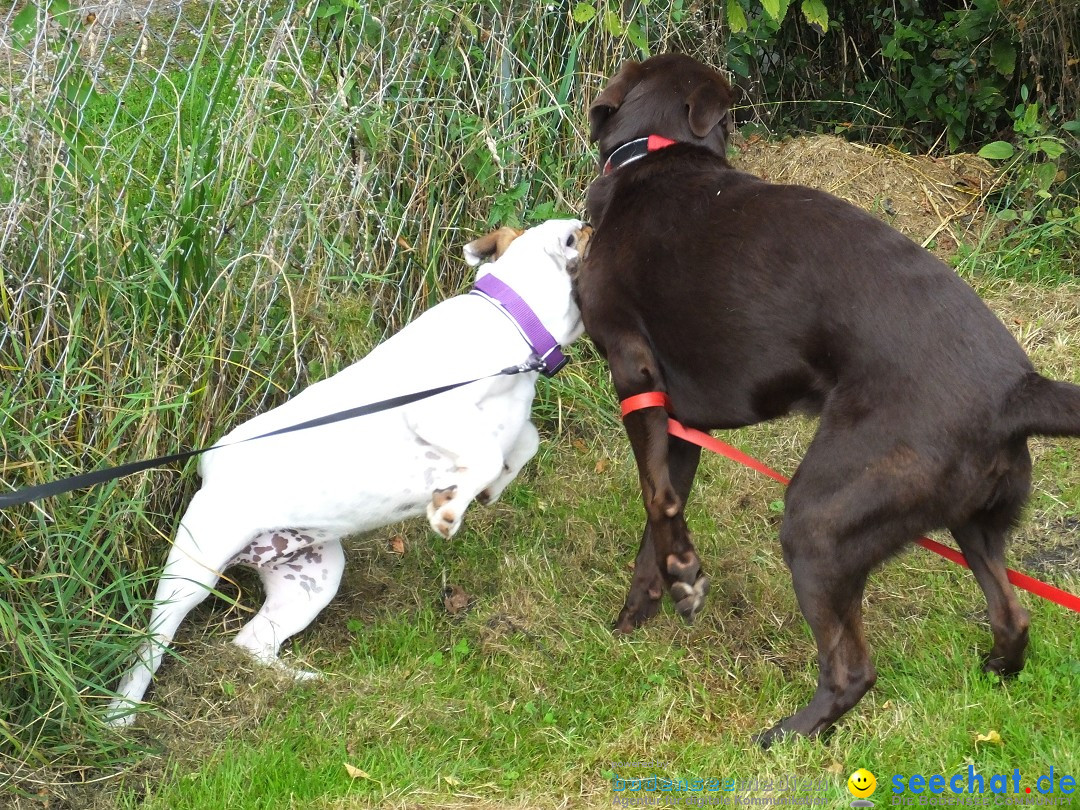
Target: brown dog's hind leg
{"x": 984, "y": 549}
{"x": 982, "y": 539}
{"x": 832, "y": 606}
{"x": 853, "y": 502}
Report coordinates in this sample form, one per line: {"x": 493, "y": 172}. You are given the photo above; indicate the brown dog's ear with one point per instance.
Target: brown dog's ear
{"x": 611, "y": 98}
{"x": 490, "y": 246}
{"x": 707, "y": 106}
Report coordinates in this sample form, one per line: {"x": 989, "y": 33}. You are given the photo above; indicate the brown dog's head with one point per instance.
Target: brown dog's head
{"x": 670, "y": 95}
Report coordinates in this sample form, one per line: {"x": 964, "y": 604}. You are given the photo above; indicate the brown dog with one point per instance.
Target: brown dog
{"x": 744, "y": 301}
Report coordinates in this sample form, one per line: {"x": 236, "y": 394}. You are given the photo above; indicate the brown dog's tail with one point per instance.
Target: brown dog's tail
{"x": 1044, "y": 407}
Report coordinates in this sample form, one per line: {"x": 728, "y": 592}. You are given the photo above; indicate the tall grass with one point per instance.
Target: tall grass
{"x": 201, "y": 211}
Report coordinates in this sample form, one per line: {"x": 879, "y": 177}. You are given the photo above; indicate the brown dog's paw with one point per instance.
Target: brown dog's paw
{"x": 689, "y": 586}
{"x": 690, "y": 599}
{"x": 1006, "y": 658}
{"x": 631, "y": 618}
{"x": 1002, "y": 667}
{"x": 639, "y": 608}
{"x": 776, "y": 734}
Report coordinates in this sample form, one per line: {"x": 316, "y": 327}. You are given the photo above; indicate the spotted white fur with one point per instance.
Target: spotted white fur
{"x": 282, "y": 505}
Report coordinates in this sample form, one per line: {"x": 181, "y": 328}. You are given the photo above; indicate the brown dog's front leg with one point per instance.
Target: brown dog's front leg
{"x": 666, "y": 468}
{"x": 646, "y": 589}
{"x": 689, "y": 585}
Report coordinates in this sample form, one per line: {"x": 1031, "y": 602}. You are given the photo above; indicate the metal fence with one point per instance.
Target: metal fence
{"x": 228, "y": 159}
{"x": 242, "y": 167}
{"x": 205, "y": 204}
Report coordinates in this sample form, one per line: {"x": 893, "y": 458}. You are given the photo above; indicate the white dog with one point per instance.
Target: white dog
{"x": 283, "y": 504}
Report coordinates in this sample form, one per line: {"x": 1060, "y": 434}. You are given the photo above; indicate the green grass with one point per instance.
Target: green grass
{"x": 199, "y": 218}
{"x": 527, "y": 699}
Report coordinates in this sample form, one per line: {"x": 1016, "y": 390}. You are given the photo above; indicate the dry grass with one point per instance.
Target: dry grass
{"x": 539, "y": 597}
{"x": 937, "y": 201}
{"x": 525, "y": 610}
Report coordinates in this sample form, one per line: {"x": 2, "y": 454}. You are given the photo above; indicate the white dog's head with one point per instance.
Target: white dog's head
{"x": 539, "y": 264}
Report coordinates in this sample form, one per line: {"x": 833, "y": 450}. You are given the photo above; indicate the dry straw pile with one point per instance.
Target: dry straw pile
{"x": 937, "y": 201}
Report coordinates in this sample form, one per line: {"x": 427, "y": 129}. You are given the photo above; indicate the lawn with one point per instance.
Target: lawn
{"x": 526, "y": 699}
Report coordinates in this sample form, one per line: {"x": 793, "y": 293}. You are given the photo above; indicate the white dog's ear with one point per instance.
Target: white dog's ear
{"x": 490, "y": 246}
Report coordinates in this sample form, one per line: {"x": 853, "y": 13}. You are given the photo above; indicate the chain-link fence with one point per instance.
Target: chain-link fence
{"x": 204, "y": 204}
{"x": 232, "y": 165}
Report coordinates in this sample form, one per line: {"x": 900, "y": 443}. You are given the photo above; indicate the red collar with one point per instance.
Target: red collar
{"x": 635, "y": 150}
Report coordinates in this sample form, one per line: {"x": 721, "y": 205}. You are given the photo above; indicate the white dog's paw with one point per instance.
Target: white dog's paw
{"x": 444, "y": 521}
{"x": 267, "y": 657}
{"x": 443, "y": 513}
{"x": 296, "y": 673}
{"x": 121, "y": 713}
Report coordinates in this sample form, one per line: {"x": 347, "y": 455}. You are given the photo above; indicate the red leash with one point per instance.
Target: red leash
{"x": 658, "y": 399}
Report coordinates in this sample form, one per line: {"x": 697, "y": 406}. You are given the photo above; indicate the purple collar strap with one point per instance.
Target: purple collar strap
{"x": 521, "y": 315}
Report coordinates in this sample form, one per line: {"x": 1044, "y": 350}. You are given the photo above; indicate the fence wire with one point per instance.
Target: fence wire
{"x": 206, "y": 204}
{"x": 238, "y": 166}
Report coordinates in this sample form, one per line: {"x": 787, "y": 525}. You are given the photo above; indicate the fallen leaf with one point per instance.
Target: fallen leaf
{"x": 355, "y": 772}
{"x": 991, "y": 737}
{"x": 396, "y": 544}
{"x": 455, "y": 599}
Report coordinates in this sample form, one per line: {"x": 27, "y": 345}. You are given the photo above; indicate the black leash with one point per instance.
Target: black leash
{"x": 90, "y": 479}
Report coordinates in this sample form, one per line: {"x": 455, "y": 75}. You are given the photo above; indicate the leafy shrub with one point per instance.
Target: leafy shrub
{"x": 930, "y": 74}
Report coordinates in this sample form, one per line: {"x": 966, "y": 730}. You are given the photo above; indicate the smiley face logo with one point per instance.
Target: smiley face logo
{"x": 861, "y": 784}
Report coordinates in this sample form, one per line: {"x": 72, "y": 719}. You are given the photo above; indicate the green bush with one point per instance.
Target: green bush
{"x": 932, "y": 74}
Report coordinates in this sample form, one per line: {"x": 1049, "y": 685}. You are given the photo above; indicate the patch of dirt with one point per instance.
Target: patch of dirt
{"x": 1058, "y": 549}
{"x": 1045, "y": 321}
{"x": 938, "y": 202}
{"x": 216, "y": 693}
{"x": 110, "y": 12}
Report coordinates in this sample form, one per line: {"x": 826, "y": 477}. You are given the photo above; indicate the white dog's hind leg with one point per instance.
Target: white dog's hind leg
{"x": 524, "y": 448}
{"x": 192, "y": 569}
{"x": 298, "y": 586}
